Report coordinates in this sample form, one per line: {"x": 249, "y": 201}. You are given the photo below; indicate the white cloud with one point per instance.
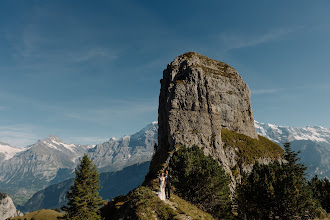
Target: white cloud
{"x": 265, "y": 91}
{"x": 238, "y": 40}
{"x": 18, "y": 135}
{"x": 92, "y": 53}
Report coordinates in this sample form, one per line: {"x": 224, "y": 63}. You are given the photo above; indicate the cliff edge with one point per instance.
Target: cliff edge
{"x": 198, "y": 97}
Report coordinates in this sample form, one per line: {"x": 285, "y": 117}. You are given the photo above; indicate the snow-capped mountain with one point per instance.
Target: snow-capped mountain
{"x": 116, "y": 154}
{"x": 312, "y": 141}
{"x": 7, "y": 151}
{"x": 39, "y": 163}
{"x": 281, "y": 134}
{"x": 51, "y": 161}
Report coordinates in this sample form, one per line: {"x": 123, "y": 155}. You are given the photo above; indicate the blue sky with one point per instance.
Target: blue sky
{"x": 89, "y": 70}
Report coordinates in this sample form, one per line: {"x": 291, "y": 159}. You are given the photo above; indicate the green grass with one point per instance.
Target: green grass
{"x": 186, "y": 208}
{"x": 142, "y": 203}
{"x": 43, "y": 214}
{"x": 148, "y": 205}
{"x": 249, "y": 149}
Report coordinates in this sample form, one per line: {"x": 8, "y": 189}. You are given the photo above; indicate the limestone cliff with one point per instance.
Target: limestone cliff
{"x": 7, "y": 207}
{"x": 198, "y": 98}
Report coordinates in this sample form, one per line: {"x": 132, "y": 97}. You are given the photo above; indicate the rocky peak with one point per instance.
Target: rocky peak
{"x": 54, "y": 138}
{"x": 200, "y": 96}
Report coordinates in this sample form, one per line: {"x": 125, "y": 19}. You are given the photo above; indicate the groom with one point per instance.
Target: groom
{"x": 167, "y": 185}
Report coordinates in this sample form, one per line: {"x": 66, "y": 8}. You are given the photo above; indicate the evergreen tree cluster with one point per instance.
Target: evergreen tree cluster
{"x": 321, "y": 191}
{"x": 276, "y": 191}
{"x": 84, "y": 200}
{"x": 200, "y": 180}
{"x": 273, "y": 191}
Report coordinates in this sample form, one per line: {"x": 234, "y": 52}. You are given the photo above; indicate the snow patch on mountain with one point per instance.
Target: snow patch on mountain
{"x": 282, "y": 134}
{"x": 70, "y": 147}
{"x": 8, "y": 150}
{"x": 56, "y": 143}
{"x": 312, "y": 141}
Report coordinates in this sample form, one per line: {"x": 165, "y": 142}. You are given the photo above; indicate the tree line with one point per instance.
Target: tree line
{"x": 278, "y": 190}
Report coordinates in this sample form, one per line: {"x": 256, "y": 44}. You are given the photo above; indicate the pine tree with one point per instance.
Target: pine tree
{"x": 276, "y": 190}
{"x": 84, "y": 200}
{"x": 200, "y": 180}
{"x": 321, "y": 191}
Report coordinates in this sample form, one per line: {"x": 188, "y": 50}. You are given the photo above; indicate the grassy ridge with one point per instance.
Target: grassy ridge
{"x": 43, "y": 214}
{"x": 248, "y": 150}
{"x": 142, "y": 203}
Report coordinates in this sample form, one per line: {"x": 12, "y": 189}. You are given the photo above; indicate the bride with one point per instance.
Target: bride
{"x": 162, "y": 187}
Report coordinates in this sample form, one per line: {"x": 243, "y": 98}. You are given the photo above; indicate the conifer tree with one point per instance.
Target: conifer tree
{"x": 276, "y": 190}
{"x": 321, "y": 191}
{"x": 84, "y": 200}
{"x": 200, "y": 180}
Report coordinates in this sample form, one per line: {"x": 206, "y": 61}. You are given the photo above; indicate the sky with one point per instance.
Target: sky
{"x": 89, "y": 70}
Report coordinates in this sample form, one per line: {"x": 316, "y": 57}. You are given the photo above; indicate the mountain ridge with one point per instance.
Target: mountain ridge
{"x": 314, "y": 154}
{"x": 291, "y": 133}
{"x": 312, "y": 141}
{"x": 50, "y": 161}
{"x": 54, "y": 196}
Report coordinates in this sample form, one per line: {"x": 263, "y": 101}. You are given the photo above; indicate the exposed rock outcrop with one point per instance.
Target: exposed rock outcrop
{"x": 7, "y": 207}
{"x": 198, "y": 98}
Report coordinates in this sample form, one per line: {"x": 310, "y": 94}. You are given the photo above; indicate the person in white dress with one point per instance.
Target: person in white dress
{"x": 161, "y": 194}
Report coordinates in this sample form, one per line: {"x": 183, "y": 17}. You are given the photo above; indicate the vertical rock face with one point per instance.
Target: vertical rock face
{"x": 7, "y": 207}
{"x": 200, "y": 96}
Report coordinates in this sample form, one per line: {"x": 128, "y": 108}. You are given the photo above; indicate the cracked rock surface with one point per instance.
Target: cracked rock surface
{"x": 198, "y": 97}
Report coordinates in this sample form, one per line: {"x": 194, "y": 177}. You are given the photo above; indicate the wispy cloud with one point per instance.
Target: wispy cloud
{"x": 35, "y": 45}
{"x": 239, "y": 40}
{"x": 4, "y": 108}
{"x": 62, "y": 44}
{"x": 120, "y": 109}
{"x": 100, "y": 111}
{"x": 85, "y": 140}
{"x": 265, "y": 91}
{"x": 291, "y": 89}
{"x": 314, "y": 86}
{"x": 92, "y": 53}
{"x": 18, "y": 135}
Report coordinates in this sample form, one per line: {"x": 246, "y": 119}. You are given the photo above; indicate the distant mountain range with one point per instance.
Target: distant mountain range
{"x": 113, "y": 184}
{"x": 50, "y": 161}
{"x": 312, "y": 141}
